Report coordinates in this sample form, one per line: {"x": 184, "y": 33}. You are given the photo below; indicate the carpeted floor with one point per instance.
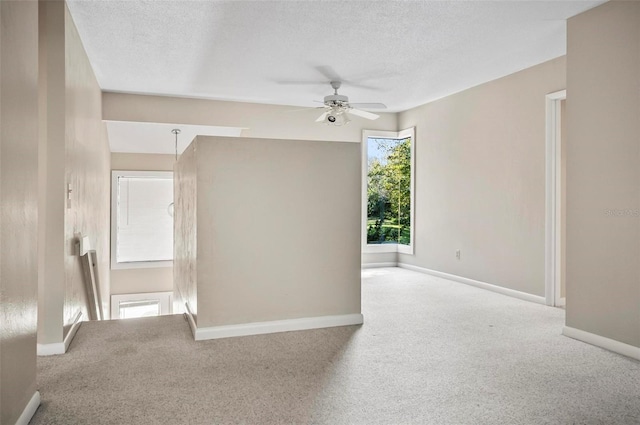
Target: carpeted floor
{"x": 430, "y": 352}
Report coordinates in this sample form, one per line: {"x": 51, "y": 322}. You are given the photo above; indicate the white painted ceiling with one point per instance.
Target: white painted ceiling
{"x": 401, "y": 53}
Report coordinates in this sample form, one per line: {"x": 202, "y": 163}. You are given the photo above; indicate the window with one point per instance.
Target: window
{"x": 388, "y": 191}
{"x": 141, "y": 219}
{"x": 129, "y": 306}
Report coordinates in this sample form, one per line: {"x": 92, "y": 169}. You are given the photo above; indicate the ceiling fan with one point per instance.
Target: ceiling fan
{"x": 338, "y": 108}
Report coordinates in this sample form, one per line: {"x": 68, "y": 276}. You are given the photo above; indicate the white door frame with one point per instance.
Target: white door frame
{"x": 553, "y": 201}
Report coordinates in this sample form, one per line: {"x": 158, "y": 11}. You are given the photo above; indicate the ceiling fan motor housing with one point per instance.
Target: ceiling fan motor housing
{"x": 336, "y": 100}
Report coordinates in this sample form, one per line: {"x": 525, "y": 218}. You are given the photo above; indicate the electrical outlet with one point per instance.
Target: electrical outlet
{"x": 458, "y": 254}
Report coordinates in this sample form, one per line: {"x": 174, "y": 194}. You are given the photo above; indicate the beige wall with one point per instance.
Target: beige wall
{"x": 51, "y": 173}
{"x": 142, "y": 161}
{"x": 479, "y": 167}
{"x": 480, "y": 179}
{"x": 563, "y": 198}
{"x": 158, "y": 279}
{"x": 264, "y": 121}
{"x": 18, "y": 198}
{"x": 277, "y": 229}
{"x": 259, "y": 120}
{"x": 88, "y": 172}
{"x": 75, "y": 152}
{"x": 603, "y": 172}
{"x": 378, "y": 258}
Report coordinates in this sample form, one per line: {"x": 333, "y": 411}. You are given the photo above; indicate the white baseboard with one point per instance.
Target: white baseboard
{"x": 61, "y": 347}
{"x": 51, "y": 349}
{"x": 377, "y": 265}
{"x": 29, "y": 410}
{"x": 495, "y": 288}
{"x": 259, "y": 328}
{"x": 602, "y": 342}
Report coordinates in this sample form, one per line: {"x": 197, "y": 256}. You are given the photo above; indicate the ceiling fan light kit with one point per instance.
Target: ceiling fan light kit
{"x": 337, "y": 116}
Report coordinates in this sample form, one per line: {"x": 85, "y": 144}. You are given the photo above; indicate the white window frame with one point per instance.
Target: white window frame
{"x": 382, "y": 248}
{"x": 165, "y": 301}
{"x": 115, "y": 174}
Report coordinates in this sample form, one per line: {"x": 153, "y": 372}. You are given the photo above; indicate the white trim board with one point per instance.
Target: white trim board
{"x": 29, "y": 409}
{"x": 494, "y": 288}
{"x": 260, "y": 328}
{"x": 602, "y": 342}
{"x": 61, "y": 347}
{"x": 165, "y": 301}
{"x": 51, "y": 349}
{"x": 553, "y": 196}
{"x": 398, "y": 135}
{"x": 379, "y": 265}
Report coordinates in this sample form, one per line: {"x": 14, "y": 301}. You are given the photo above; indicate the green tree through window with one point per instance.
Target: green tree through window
{"x": 389, "y": 191}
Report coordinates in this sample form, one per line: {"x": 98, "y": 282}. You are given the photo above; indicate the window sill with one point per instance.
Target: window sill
{"x": 387, "y": 248}
{"x": 141, "y": 265}
{"x": 164, "y": 300}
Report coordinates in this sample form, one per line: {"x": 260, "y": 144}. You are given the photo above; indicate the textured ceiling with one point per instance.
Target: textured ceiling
{"x": 401, "y": 53}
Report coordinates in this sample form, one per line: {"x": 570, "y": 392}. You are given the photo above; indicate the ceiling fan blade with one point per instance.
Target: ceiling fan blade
{"x": 328, "y": 72}
{"x": 369, "y": 105}
{"x": 303, "y": 109}
{"x": 301, "y": 82}
{"x": 322, "y": 117}
{"x": 363, "y": 114}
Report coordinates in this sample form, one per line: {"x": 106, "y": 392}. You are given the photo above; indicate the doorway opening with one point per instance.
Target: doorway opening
{"x": 555, "y": 232}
